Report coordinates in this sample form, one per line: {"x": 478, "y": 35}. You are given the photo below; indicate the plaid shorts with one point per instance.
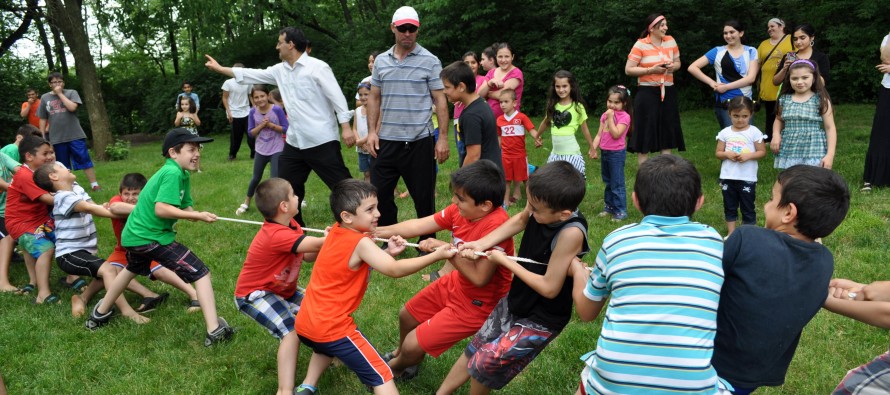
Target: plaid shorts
{"x": 870, "y": 379}
{"x": 275, "y": 313}
{"x": 173, "y": 256}
{"x": 504, "y": 346}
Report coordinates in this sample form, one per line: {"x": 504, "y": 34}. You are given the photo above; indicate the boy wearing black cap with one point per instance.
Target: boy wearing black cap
{"x": 149, "y": 234}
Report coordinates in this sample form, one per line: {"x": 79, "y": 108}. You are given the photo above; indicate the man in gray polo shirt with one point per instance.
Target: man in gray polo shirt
{"x": 405, "y": 85}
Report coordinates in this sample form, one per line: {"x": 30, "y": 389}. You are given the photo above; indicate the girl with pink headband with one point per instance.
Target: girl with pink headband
{"x": 804, "y": 132}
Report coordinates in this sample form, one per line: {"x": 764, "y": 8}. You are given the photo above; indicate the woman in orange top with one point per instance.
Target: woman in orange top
{"x": 653, "y": 60}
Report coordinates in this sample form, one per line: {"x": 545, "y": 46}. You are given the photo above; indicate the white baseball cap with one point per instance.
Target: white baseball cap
{"x": 405, "y": 15}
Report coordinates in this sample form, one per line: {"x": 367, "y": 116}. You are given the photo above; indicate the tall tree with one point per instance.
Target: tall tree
{"x": 44, "y": 40}
{"x": 67, "y": 17}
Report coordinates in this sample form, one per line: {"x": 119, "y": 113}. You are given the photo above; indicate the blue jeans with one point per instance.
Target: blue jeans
{"x": 612, "y": 169}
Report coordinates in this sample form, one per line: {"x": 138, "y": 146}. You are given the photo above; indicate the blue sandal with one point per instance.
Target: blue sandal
{"x": 27, "y": 289}
{"x": 51, "y": 299}
{"x": 77, "y": 285}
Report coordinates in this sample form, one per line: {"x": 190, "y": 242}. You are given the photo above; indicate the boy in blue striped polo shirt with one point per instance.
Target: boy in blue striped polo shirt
{"x": 662, "y": 278}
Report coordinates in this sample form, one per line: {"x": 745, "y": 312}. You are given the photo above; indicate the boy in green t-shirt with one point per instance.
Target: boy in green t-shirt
{"x": 165, "y": 199}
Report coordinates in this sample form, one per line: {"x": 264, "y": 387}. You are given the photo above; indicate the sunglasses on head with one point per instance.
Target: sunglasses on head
{"x": 406, "y": 28}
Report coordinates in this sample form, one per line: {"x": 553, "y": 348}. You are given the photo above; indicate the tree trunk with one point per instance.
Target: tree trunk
{"x": 194, "y": 35}
{"x": 346, "y": 14}
{"x": 59, "y": 47}
{"x": 66, "y": 16}
{"x": 174, "y": 50}
{"x": 44, "y": 40}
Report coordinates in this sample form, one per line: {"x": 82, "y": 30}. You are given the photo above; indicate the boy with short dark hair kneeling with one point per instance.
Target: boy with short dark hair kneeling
{"x": 539, "y": 304}
{"x": 149, "y": 234}
{"x": 780, "y": 266}
{"x": 339, "y": 279}
{"x": 267, "y": 289}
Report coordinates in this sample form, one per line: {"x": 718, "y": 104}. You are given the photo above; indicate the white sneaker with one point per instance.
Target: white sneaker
{"x": 303, "y": 204}
{"x": 241, "y": 209}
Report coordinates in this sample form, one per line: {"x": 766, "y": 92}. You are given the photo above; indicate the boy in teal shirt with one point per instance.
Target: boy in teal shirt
{"x": 149, "y": 234}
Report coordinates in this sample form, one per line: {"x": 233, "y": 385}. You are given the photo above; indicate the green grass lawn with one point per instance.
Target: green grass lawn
{"x": 45, "y": 351}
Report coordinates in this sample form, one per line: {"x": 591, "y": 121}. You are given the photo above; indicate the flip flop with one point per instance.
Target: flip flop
{"x": 51, "y": 299}
{"x": 28, "y": 288}
{"x": 149, "y": 304}
{"x": 76, "y": 285}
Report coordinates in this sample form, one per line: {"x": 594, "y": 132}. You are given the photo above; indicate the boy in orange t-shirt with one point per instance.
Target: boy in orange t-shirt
{"x": 339, "y": 279}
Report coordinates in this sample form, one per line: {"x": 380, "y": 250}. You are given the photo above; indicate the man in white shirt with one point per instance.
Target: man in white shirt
{"x": 236, "y": 100}
{"x": 310, "y": 94}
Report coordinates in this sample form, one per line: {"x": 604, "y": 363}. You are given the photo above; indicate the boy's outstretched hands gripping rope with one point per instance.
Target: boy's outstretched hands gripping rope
{"x": 428, "y": 245}
{"x": 578, "y": 268}
{"x": 470, "y": 250}
{"x": 445, "y": 251}
{"x": 205, "y": 216}
{"x": 395, "y": 245}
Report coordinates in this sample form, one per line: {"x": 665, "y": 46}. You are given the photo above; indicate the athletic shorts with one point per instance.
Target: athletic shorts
{"x": 446, "y": 316}
{"x": 73, "y": 154}
{"x": 273, "y": 312}
{"x": 3, "y": 231}
{"x": 39, "y": 242}
{"x": 504, "y": 346}
{"x": 358, "y": 355}
{"x": 80, "y": 263}
{"x": 119, "y": 259}
{"x": 515, "y": 169}
{"x": 173, "y": 256}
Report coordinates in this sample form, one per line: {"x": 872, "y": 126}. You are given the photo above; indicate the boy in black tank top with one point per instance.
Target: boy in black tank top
{"x": 539, "y": 304}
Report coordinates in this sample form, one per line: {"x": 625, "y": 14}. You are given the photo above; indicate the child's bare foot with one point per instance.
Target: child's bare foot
{"x": 404, "y": 194}
{"x": 515, "y": 198}
{"x": 137, "y": 318}
{"x": 8, "y": 288}
{"x": 78, "y": 307}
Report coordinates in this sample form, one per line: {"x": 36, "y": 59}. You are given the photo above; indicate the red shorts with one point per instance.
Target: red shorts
{"x": 515, "y": 169}
{"x": 446, "y": 316}
{"x": 119, "y": 259}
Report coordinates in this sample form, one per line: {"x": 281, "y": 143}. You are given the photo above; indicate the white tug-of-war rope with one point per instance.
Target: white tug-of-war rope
{"x": 479, "y": 253}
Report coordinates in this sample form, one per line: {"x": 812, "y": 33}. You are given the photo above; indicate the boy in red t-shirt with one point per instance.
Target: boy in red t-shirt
{"x": 457, "y": 304}
{"x": 339, "y": 279}
{"x": 28, "y": 219}
{"x": 512, "y": 127}
{"x": 122, "y": 205}
{"x": 267, "y": 289}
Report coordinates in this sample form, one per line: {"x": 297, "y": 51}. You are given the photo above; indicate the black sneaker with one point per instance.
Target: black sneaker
{"x": 96, "y": 320}
{"x": 222, "y": 333}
